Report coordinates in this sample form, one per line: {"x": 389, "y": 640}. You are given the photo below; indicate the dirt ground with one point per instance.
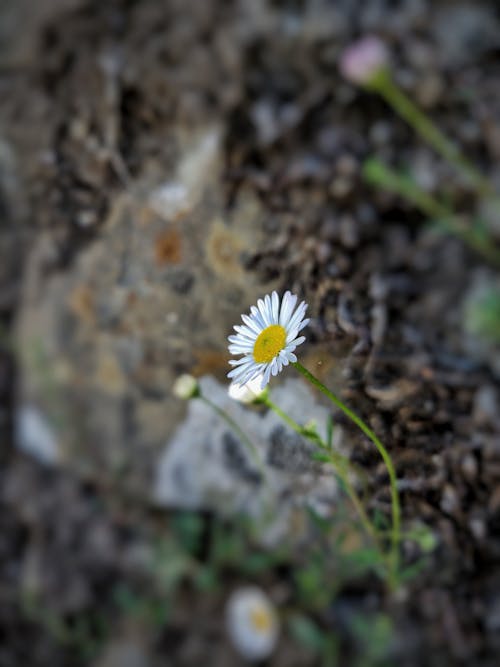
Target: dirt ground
{"x": 97, "y": 101}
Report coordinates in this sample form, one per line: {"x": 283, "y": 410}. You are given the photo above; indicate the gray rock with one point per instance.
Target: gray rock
{"x": 206, "y": 465}
{"x": 35, "y": 436}
{"x": 155, "y": 293}
{"x": 486, "y": 405}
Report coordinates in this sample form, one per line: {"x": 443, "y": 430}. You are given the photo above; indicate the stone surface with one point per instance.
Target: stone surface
{"x": 154, "y": 295}
{"x": 21, "y": 23}
{"x": 206, "y": 465}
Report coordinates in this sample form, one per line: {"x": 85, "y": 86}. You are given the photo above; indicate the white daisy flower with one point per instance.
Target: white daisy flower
{"x": 252, "y": 623}
{"x": 267, "y": 339}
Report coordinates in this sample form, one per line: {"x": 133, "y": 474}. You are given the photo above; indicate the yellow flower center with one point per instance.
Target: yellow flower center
{"x": 269, "y": 343}
{"x": 261, "y": 620}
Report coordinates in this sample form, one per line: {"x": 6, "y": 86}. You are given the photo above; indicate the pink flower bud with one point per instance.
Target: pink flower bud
{"x": 363, "y": 60}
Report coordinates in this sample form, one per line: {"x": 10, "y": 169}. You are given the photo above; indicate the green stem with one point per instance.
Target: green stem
{"x": 341, "y": 463}
{"x": 396, "y": 510}
{"x": 288, "y": 420}
{"x": 379, "y": 174}
{"x": 243, "y": 437}
{"x": 420, "y": 122}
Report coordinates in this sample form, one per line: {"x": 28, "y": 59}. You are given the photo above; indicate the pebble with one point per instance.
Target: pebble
{"x": 323, "y": 252}
{"x": 429, "y": 90}
{"x": 380, "y": 133}
{"x": 486, "y": 406}
{"x": 34, "y": 436}
{"x": 477, "y": 528}
{"x": 469, "y": 467}
{"x": 349, "y": 232}
{"x": 449, "y": 500}
{"x": 493, "y": 616}
{"x": 347, "y": 165}
{"x": 420, "y": 54}
{"x": 341, "y": 187}
{"x": 494, "y": 501}
{"x": 330, "y": 229}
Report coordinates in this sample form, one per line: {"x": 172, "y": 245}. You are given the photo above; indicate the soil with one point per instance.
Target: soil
{"x": 91, "y": 95}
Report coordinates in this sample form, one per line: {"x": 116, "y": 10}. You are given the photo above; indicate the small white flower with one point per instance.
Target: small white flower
{"x": 186, "y": 387}
{"x": 247, "y": 393}
{"x": 267, "y": 339}
{"x": 252, "y": 623}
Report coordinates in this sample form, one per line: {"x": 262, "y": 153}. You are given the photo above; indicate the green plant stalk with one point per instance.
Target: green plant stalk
{"x": 380, "y": 175}
{"x": 341, "y": 463}
{"x": 234, "y": 426}
{"x": 396, "y": 509}
{"x": 265, "y": 400}
{"x": 421, "y": 123}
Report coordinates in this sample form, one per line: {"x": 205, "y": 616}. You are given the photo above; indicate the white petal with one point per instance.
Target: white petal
{"x": 297, "y": 341}
{"x": 297, "y": 316}
{"x": 289, "y": 301}
{"x": 247, "y": 336}
{"x": 264, "y": 312}
{"x": 251, "y": 324}
{"x": 243, "y": 342}
{"x": 275, "y": 307}
{"x": 265, "y": 378}
{"x": 240, "y": 340}
{"x": 238, "y": 362}
{"x": 238, "y": 349}
{"x": 283, "y": 357}
{"x": 258, "y": 317}
{"x": 248, "y": 373}
{"x": 245, "y": 331}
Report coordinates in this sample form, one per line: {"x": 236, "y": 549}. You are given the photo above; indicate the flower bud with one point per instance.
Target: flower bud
{"x": 186, "y": 387}
{"x": 363, "y": 60}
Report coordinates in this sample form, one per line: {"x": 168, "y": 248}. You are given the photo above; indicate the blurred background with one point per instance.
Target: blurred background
{"x": 164, "y": 163}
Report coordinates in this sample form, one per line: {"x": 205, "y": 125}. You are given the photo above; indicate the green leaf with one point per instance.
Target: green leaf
{"x": 321, "y": 456}
{"x": 423, "y": 536}
{"x": 413, "y": 570}
{"x": 206, "y": 579}
{"x": 306, "y": 632}
{"x": 188, "y": 529}
{"x": 258, "y": 562}
{"x": 374, "y": 633}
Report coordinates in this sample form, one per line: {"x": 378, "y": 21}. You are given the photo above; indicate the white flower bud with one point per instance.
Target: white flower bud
{"x": 186, "y": 387}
